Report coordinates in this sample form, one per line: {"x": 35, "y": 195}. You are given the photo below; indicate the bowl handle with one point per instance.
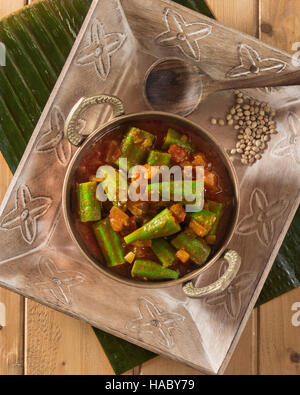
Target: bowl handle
{"x": 234, "y": 263}
{"x": 71, "y": 124}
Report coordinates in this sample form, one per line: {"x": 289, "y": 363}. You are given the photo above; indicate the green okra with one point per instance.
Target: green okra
{"x": 217, "y": 209}
{"x": 135, "y": 147}
{"x": 152, "y": 271}
{"x": 174, "y": 137}
{"x": 177, "y": 191}
{"x": 205, "y": 218}
{"x": 157, "y": 158}
{"x": 114, "y": 185}
{"x": 164, "y": 251}
{"x": 164, "y": 224}
{"x": 89, "y": 206}
{"x": 109, "y": 242}
{"x": 197, "y": 249}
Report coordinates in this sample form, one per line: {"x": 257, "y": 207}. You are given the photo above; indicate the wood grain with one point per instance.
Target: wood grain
{"x": 279, "y": 346}
{"x": 279, "y": 23}
{"x": 239, "y": 14}
{"x": 6, "y": 7}
{"x": 11, "y": 336}
{"x": 279, "y": 340}
{"x": 56, "y": 344}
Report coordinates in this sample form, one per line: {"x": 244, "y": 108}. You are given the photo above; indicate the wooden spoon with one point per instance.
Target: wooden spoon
{"x": 173, "y": 85}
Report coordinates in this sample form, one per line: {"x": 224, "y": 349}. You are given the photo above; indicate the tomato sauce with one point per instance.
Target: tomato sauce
{"x": 107, "y": 150}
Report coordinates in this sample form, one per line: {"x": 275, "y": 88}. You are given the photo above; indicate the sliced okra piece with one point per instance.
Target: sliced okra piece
{"x": 109, "y": 242}
{"x": 164, "y": 251}
{"x": 197, "y": 249}
{"x": 173, "y": 137}
{"x": 89, "y": 206}
{"x": 217, "y": 209}
{"x": 177, "y": 191}
{"x": 135, "y": 147}
{"x": 157, "y": 158}
{"x": 152, "y": 271}
{"x": 164, "y": 224}
{"x": 114, "y": 184}
{"x": 205, "y": 218}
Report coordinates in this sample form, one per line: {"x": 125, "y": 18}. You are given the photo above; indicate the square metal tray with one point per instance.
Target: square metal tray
{"x": 117, "y": 44}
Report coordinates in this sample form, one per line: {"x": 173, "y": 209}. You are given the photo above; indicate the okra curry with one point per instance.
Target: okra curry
{"x": 151, "y": 240}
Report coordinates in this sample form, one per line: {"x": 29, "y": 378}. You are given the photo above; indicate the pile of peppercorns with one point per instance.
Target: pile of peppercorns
{"x": 254, "y": 123}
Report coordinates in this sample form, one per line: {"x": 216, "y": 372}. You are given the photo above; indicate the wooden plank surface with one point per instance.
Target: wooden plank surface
{"x": 8, "y": 6}
{"x": 279, "y": 340}
{"x": 57, "y": 344}
{"x": 11, "y": 335}
{"x": 239, "y": 14}
{"x": 279, "y": 345}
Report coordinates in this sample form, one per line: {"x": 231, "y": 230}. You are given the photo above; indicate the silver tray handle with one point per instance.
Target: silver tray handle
{"x": 71, "y": 124}
{"x": 234, "y": 263}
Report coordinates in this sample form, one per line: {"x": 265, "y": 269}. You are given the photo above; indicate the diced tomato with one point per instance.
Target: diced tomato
{"x": 211, "y": 239}
{"x": 143, "y": 252}
{"x": 118, "y": 219}
{"x": 210, "y": 180}
{"x": 185, "y": 163}
{"x": 198, "y": 228}
{"x": 137, "y": 209}
{"x": 199, "y": 160}
{"x": 129, "y": 257}
{"x": 178, "y": 153}
{"x": 178, "y": 212}
{"x": 146, "y": 171}
{"x": 183, "y": 256}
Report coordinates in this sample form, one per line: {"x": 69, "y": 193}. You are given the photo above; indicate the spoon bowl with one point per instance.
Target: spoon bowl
{"x": 173, "y": 85}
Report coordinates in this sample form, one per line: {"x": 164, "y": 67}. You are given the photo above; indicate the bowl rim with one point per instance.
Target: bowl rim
{"x": 226, "y": 161}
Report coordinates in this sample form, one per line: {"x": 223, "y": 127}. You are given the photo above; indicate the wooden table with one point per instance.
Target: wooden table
{"x": 38, "y": 340}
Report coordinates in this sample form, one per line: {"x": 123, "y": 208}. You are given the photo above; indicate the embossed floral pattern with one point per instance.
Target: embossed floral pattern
{"x": 100, "y": 48}
{"x": 160, "y": 325}
{"x": 53, "y": 139}
{"x": 290, "y": 144}
{"x": 252, "y": 63}
{"x": 26, "y": 213}
{"x": 262, "y": 217}
{"x": 182, "y": 34}
{"x": 231, "y": 298}
{"x": 58, "y": 283}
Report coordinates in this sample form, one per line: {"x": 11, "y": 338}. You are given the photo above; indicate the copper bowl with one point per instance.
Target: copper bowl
{"x": 71, "y": 132}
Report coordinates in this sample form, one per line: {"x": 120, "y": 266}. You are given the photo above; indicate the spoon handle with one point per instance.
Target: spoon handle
{"x": 263, "y": 81}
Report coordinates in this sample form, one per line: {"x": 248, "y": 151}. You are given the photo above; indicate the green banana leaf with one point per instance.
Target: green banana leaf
{"x": 45, "y": 33}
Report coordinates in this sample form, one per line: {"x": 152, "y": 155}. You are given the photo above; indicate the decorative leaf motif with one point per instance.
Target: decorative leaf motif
{"x": 231, "y": 298}
{"x": 252, "y": 63}
{"x": 262, "y": 217}
{"x": 152, "y": 321}
{"x": 26, "y": 213}
{"x": 182, "y": 34}
{"x": 58, "y": 283}
{"x": 54, "y": 139}
{"x": 100, "y": 48}
{"x": 290, "y": 144}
